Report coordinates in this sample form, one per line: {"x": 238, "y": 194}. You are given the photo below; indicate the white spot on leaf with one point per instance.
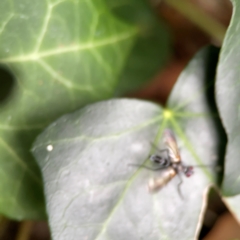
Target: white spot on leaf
{"x": 50, "y": 148}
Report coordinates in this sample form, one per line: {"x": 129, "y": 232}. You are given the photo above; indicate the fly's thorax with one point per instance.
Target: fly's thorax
{"x": 177, "y": 166}
{"x": 160, "y": 160}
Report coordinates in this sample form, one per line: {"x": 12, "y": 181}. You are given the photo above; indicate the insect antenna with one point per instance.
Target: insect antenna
{"x": 217, "y": 168}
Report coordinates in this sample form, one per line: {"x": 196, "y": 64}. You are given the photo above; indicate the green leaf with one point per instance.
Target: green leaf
{"x": 63, "y": 54}
{"x": 91, "y": 188}
{"x": 152, "y": 46}
{"x": 228, "y": 100}
{"x": 6, "y": 84}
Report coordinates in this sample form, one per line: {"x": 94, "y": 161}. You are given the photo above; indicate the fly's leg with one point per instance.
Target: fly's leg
{"x": 179, "y": 186}
{"x": 149, "y": 168}
{"x": 159, "y": 150}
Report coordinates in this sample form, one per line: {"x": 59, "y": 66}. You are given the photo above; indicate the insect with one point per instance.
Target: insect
{"x": 172, "y": 163}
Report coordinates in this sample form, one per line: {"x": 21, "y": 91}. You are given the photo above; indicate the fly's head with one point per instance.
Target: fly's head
{"x": 188, "y": 171}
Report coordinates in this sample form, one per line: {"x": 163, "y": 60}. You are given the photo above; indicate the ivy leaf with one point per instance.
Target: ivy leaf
{"x": 152, "y": 47}
{"x": 228, "y": 99}
{"x": 92, "y": 190}
{"x": 63, "y": 54}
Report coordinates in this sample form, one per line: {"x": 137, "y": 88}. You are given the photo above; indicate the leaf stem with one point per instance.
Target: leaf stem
{"x": 24, "y": 230}
{"x": 204, "y": 21}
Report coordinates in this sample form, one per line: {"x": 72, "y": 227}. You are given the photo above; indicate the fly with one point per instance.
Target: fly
{"x": 172, "y": 163}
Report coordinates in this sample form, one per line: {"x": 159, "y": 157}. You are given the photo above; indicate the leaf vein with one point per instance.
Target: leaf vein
{"x": 138, "y": 127}
{"x": 64, "y": 81}
{"x": 73, "y": 48}
{"x": 19, "y": 161}
{"x": 44, "y": 29}
{"x": 130, "y": 180}
{"x": 4, "y": 24}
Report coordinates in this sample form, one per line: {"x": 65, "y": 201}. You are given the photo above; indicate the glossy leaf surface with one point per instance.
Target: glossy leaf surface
{"x": 93, "y": 192}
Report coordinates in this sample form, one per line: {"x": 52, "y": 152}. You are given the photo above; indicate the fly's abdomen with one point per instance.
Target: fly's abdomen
{"x": 155, "y": 184}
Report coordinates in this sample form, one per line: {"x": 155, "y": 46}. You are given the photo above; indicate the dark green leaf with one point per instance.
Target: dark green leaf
{"x": 228, "y": 100}
{"x": 92, "y": 192}
{"x": 151, "y": 49}
{"x": 63, "y": 54}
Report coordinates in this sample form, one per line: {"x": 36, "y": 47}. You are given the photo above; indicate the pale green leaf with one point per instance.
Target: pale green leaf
{"x": 91, "y": 189}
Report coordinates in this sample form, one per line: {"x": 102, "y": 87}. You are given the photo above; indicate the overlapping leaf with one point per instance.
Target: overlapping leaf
{"x": 228, "y": 100}
{"x": 91, "y": 190}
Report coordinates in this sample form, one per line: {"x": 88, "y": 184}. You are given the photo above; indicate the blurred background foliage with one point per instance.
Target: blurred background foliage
{"x": 186, "y": 25}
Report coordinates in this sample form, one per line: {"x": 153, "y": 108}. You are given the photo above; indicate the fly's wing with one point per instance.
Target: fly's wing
{"x": 171, "y": 144}
{"x": 155, "y": 184}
